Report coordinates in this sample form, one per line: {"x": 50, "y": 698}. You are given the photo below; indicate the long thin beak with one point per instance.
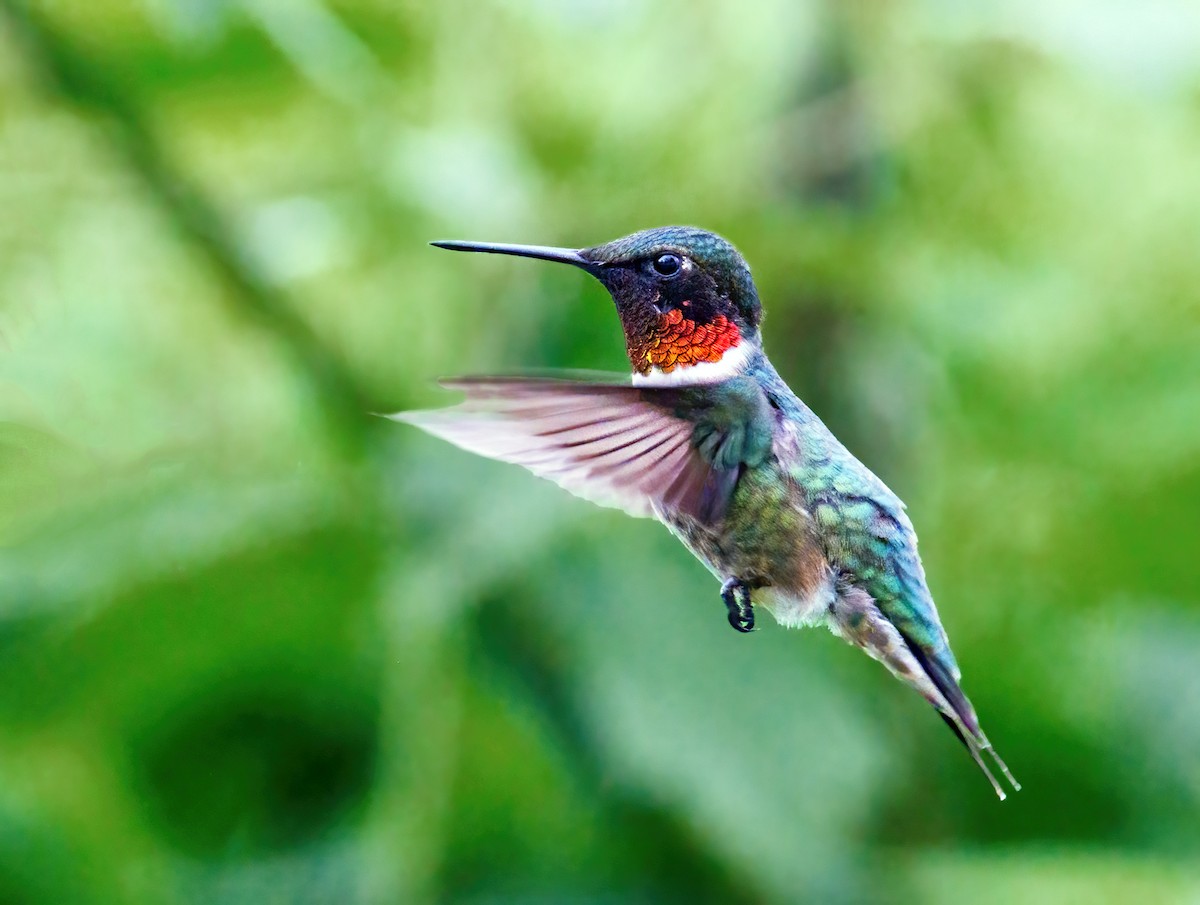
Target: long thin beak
{"x": 541, "y": 252}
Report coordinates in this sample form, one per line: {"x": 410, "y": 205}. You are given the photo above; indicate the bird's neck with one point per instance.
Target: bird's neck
{"x": 671, "y": 350}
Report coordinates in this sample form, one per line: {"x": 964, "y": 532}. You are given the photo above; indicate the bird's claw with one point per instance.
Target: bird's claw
{"x": 736, "y": 594}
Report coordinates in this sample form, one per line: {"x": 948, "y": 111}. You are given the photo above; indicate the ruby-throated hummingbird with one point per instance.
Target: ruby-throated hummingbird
{"x": 708, "y": 439}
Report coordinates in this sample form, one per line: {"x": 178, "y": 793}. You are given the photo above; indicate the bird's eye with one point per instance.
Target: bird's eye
{"x": 667, "y": 265}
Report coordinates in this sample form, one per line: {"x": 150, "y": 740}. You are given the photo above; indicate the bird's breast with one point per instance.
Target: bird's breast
{"x": 767, "y": 539}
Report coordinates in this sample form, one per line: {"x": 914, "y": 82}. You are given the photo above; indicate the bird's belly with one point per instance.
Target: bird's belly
{"x": 797, "y": 610}
{"x": 767, "y": 540}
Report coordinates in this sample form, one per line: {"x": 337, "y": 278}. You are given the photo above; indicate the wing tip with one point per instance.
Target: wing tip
{"x": 406, "y": 417}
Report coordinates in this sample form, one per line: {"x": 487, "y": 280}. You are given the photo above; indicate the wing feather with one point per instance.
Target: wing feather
{"x": 616, "y": 445}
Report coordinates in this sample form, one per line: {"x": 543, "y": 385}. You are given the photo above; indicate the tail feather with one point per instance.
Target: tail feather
{"x": 973, "y": 749}
{"x": 961, "y": 717}
{"x": 928, "y": 669}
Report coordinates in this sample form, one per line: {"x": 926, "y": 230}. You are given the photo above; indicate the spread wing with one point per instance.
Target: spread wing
{"x": 615, "y": 445}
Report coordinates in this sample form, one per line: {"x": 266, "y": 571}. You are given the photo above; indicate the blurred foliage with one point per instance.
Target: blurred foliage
{"x": 257, "y": 646}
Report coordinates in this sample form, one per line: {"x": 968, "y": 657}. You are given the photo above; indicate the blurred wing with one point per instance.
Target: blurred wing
{"x": 610, "y": 444}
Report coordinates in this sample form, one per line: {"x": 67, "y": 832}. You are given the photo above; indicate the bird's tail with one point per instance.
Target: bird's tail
{"x": 929, "y": 669}
{"x": 956, "y": 710}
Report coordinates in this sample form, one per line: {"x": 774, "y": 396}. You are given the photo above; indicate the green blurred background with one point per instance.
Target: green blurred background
{"x": 257, "y": 646}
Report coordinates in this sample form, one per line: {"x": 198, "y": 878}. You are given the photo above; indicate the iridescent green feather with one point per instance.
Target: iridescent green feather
{"x": 866, "y": 533}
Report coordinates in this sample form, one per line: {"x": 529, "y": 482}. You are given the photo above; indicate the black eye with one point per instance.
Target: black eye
{"x": 667, "y": 265}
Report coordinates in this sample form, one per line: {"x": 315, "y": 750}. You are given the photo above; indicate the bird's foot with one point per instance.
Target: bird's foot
{"x": 736, "y": 594}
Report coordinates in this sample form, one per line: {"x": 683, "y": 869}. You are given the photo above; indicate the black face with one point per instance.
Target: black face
{"x": 664, "y": 280}
{"x": 678, "y": 267}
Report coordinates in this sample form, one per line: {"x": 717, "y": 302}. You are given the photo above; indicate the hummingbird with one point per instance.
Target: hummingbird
{"x": 706, "y": 437}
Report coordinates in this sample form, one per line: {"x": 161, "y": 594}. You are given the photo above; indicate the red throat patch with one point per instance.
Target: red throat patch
{"x": 676, "y": 342}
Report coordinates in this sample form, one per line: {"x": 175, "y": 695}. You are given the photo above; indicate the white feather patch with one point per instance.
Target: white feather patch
{"x": 792, "y": 611}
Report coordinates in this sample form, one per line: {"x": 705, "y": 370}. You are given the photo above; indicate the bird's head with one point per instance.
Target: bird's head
{"x": 687, "y": 303}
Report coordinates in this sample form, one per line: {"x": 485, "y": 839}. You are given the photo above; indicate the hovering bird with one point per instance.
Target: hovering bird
{"x": 708, "y": 439}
